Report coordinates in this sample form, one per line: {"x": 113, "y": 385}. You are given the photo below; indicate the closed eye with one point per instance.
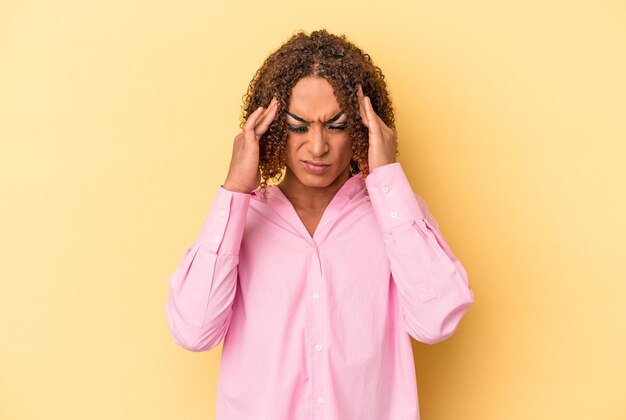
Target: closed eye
{"x": 304, "y": 129}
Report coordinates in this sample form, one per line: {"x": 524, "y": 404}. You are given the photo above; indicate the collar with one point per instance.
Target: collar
{"x": 278, "y": 204}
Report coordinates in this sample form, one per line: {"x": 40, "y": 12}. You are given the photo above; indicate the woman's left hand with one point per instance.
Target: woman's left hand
{"x": 382, "y": 139}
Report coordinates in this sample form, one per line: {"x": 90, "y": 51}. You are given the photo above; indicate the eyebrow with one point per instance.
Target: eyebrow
{"x": 333, "y": 119}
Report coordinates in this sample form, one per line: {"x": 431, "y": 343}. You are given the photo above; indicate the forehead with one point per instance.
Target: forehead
{"x": 313, "y": 99}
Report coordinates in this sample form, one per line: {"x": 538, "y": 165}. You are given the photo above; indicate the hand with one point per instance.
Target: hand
{"x": 243, "y": 174}
{"x": 382, "y": 139}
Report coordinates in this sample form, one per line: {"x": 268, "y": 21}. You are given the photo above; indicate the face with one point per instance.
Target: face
{"x": 317, "y": 134}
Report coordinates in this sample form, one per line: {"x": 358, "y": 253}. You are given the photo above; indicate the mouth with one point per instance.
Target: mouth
{"x": 315, "y": 169}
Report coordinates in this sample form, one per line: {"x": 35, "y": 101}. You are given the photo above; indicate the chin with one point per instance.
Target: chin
{"x": 316, "y": 181}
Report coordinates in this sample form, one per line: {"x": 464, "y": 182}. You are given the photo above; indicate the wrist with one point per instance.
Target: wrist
{"x": 232, "y": 188}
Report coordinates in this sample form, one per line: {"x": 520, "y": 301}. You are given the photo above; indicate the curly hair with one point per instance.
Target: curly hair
{"x": 344, "y": 66}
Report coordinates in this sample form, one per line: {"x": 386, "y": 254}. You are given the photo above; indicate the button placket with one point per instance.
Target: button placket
{"x": 316, "y": 317}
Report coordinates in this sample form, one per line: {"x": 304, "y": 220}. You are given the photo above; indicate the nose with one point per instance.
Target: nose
{"x": 317, "y": 144}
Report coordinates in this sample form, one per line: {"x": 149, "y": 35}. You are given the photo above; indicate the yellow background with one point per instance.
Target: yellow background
{"x": 116, "y": 125}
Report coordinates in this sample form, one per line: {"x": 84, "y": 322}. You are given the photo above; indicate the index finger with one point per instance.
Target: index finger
{"x": 248, "y": 127}
{"x": 266, "y": 119}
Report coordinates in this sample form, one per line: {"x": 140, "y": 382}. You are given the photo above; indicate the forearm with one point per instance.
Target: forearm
{"x": 433, "y": 287}
{"x": 201, "y": 290}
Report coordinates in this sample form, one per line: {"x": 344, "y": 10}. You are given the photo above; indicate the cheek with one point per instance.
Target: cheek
{"x": 291, "y": 148}
{"x": 347, "y": 147}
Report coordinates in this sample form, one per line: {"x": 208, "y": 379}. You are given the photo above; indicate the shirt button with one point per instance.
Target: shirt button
{"x": 385, "y": 188}
{"x": 394, "y": 214}
{"x": 316, "y": 295}
{"x": 222, "y": 213}
{"x": 216, "y": 239}
{"x": 318, "y": 347}
{"x": 320, "y": 400}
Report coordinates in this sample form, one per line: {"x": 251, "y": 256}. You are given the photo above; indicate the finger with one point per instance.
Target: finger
{"x": 371, "y": 115}
{"x": 268, "y": 109}
{"x": 252, "y": 117}
{"x": 248, "y": 128}
{"x": 382, "y": 124}
{"x": 266, "y": 119}
{"x": 362, "y": 107}
{"x": 392, "y": 133}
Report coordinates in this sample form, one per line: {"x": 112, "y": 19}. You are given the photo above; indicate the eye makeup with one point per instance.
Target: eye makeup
{"x": 295, "y": 117}
{"x": 304, "y": 128}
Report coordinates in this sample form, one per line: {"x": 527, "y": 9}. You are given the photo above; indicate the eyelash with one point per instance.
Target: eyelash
{"x": 304, "y": 129}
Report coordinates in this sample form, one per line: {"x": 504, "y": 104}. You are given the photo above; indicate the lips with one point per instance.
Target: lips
{"x": 315, "y": 169}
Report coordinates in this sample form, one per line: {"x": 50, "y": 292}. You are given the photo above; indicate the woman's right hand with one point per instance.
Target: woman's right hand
{"x": 243, "y": 174}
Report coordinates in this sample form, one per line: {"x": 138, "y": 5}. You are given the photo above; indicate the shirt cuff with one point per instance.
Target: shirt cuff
{"x": 392, "y": 197}
{"x": 224, "y": 226}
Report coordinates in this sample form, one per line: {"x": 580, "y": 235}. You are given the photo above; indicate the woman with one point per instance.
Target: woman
{"x": 316, "y": 284}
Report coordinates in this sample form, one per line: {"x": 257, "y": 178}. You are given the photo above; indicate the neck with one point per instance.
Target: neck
{"x": 308, "y": 198}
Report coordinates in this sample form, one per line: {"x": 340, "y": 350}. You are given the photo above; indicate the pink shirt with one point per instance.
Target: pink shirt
{"x": 318, "y": 327}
